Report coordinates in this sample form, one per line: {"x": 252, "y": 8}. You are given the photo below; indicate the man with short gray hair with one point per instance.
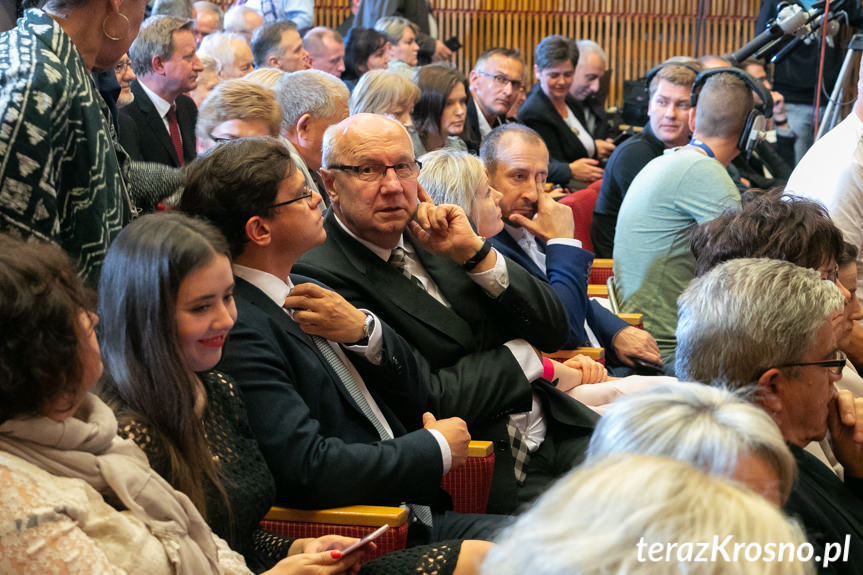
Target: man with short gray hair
{"x": 326, "y": 50}
{"x": 456, "y": 299}
{"x": 164, "y": 59}
{"x": 242, "y": 20}
{"x": 278, "y": 45}
{"x": 767, "y": 326}
{"x": 208, "y": 19}
{"x": 674, "y": 192}
{"x": 311, "y": 101}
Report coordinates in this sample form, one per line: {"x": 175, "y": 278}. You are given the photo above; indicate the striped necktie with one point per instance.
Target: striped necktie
{"x": 422, "y": 512}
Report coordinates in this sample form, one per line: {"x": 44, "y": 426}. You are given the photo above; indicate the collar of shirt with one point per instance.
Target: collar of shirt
{"x": 275, "y": 288}
{"x": 484, "y": 126}
{"x": 162, "y": 106}
{"x": 383, "y": 253}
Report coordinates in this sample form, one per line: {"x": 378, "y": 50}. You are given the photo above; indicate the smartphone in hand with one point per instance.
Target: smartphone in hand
{"x": 366, "y": 540}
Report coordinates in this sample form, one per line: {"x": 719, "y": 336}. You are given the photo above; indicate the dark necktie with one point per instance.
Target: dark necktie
{"x": 422, "y": 512}
{"x": 399, "y": 259}
{"x": 174, "y": 129}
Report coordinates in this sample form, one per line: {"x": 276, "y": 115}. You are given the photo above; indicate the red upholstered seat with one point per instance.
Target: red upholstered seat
{"x": 581, "y": 203}
{"x": 470, "y": 485}
{"x": 353, "y": 521}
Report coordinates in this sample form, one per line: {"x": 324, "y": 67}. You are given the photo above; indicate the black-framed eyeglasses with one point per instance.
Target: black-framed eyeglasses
{"x": 501, "y": 80}
{"x": 308, "y": 195}
{"x": 834, "y": 365}
{"x": 373, "y": 172}
{"x": 121, "y": 66}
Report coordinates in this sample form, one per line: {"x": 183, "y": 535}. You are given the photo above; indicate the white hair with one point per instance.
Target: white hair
{"x": 205, "y": 6}
{"x": 452, "y": 176}
{"x": 219, "y": 45}
{"x": 707, "y": 427}
{"x": 235, "y": 18}
{"x": 309, "y": 92}
{"x": 587, "y": 47}
{"x": 597, "y": 520}
{"x": 748, "y": 315}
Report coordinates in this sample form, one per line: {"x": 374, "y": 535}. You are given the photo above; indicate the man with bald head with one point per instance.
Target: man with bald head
{"x": 424, "y": 271}
{"x": 326, "y": 50}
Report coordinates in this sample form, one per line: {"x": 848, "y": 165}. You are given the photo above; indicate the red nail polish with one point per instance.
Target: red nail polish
{"x": 336, "y": 554}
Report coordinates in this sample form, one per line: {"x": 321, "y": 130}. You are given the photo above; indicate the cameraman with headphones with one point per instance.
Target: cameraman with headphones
{"x": 685, "y": 186}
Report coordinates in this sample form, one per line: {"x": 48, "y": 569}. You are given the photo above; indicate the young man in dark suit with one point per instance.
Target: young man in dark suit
{"x": 164, "y": 59}
{"x": 452, "y": 296}
{"x": 339, "y": 403}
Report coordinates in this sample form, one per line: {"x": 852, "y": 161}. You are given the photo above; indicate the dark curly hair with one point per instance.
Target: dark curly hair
{"x": 768, "y": 225}
{"x": 41, "y": 299}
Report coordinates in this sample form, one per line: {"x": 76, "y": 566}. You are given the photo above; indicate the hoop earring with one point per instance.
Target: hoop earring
{"x": 126, "y": 24}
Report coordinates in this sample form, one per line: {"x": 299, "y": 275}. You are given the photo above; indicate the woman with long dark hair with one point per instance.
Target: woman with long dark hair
{"x": 440, "y": 115}
{"x": 365, "y": 49}
{"x": 167, "y": 303}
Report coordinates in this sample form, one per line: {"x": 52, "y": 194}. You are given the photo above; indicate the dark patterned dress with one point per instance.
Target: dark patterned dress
{"x": 60, "y": 177}
{"x": 250, "y": 489}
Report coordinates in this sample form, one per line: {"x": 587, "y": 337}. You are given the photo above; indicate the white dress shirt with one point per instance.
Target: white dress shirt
{"x": 527, "y": 242}
{"x": 162, "y": 106}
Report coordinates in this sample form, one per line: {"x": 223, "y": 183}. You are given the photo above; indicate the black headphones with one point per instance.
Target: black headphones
{"x": 756, "y": 122}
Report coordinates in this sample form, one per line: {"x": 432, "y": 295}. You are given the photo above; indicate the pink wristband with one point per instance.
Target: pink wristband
{"x": 547, "y": 369}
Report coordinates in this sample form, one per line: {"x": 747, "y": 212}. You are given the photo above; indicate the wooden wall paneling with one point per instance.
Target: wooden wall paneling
{"x": 636, "y": 34}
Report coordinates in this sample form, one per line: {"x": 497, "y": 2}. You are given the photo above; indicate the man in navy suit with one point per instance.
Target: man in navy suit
{"x": 538, "y": 235}
{"x": 338, "y": 402}
{"x": 162, "y": 127}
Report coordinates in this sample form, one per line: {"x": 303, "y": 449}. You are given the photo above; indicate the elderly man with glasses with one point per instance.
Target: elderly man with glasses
{"x": 424, "y": 271}
{"x": 768, "y": 326}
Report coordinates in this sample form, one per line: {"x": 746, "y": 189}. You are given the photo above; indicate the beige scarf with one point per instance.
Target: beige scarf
{"x": 87, "y": 447}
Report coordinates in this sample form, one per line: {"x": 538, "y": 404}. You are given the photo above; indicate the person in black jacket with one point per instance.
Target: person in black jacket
{"x": 549, "y": 110}
{"x": 668, "y": 110}
{"x": 795, "y": 76}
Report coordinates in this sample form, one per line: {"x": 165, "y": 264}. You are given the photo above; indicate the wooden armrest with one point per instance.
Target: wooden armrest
{"x": 594, "y": 353}
{"x": 635, "y": 319}
{"x": 597, "y": 290}
{"x": 480, "y": 448}
{"x": 603, "y": 263}
{"x": 368, "y": 515}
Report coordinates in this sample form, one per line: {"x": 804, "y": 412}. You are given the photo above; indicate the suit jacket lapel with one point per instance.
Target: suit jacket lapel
{"x": 454, "y": 284}
{"x": 260, "y": 300}
{"x": 395, "y": 288}
{"x": 153, "y": 121}
{"x": 515, "y": 253}
{"x": 571, "y": 141}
